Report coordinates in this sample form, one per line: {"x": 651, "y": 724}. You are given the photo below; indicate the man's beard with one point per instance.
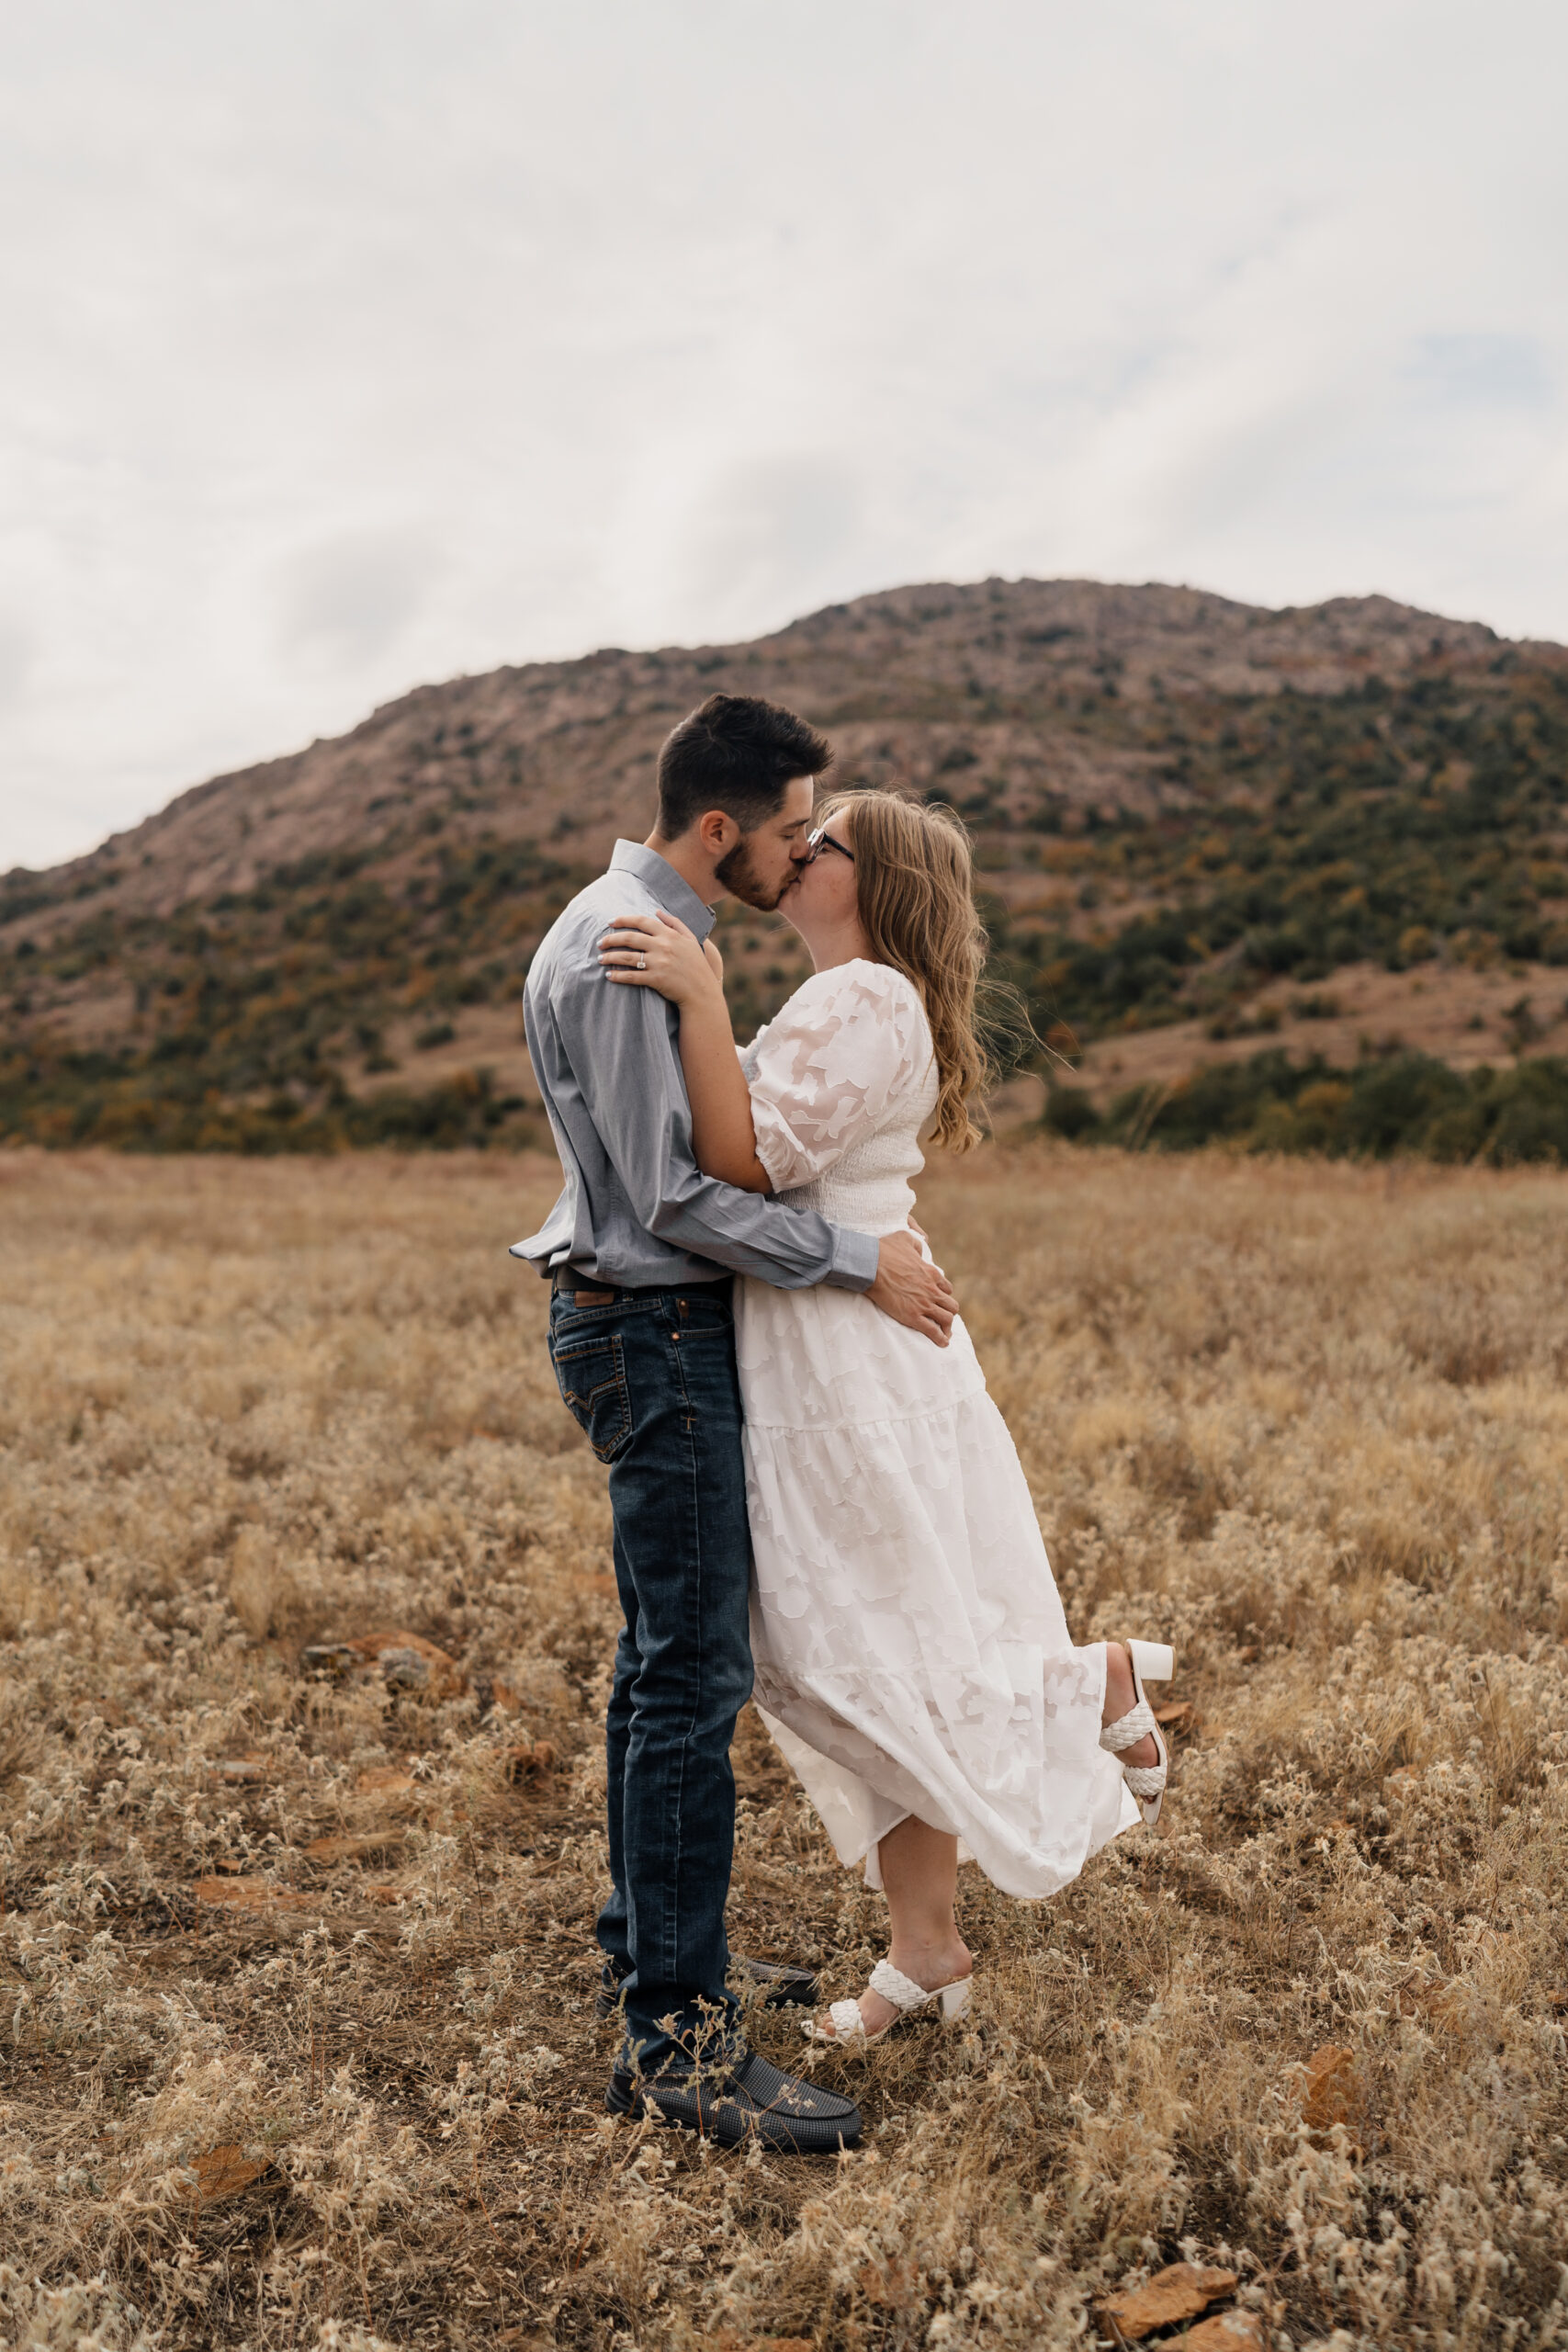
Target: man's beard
{"x": 737, "y": 876}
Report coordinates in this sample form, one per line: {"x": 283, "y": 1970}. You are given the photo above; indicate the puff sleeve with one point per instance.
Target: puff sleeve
{"x": 829, "y": 1071}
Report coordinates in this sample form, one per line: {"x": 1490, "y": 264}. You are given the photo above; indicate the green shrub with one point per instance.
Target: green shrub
{"x": 1070, "y": 1112}
{"x": 1405, "y": 1103}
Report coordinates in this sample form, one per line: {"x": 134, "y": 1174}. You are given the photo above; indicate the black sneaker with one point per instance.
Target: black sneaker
{"x": 782, "y": 1988}
{"x": 747, "y": 2097}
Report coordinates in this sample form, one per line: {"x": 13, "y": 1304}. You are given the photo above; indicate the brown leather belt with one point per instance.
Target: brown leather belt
{"x": 597, "y": 1292}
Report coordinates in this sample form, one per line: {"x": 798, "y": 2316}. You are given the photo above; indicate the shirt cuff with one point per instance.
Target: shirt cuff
{"x": 854, "y": 1260}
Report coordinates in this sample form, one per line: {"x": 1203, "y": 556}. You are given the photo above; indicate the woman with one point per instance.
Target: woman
{"x": 912, "y": 1658}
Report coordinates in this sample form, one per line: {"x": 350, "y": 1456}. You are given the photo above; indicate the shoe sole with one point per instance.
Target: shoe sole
{"x": 1152, "y": 1662}
{"x": 733, "y": 2131}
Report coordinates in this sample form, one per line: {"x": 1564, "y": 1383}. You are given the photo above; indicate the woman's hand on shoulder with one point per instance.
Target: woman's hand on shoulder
{"x": 658, "y": 952}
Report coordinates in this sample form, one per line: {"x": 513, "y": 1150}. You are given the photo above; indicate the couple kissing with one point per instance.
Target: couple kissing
{"x": 814, "y": 1496}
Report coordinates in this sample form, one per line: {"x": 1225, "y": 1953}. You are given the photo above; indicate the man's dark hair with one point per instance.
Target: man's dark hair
{"x": 737, "y": 753}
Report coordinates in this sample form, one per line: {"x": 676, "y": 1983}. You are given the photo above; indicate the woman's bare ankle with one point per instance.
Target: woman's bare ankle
{"x": 1120, "y": 1697}
{"x": 931, "y": 1962}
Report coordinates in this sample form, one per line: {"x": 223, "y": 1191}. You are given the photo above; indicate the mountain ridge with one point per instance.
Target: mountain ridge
{"x": 1182, "y": 807}
{"x": 1202, "y": 642}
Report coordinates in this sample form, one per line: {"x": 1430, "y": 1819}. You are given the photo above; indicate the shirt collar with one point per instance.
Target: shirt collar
{"x": 676, "y": 897}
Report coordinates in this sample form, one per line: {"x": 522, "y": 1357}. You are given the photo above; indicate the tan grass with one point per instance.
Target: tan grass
{"x": 1309, "y": 1422}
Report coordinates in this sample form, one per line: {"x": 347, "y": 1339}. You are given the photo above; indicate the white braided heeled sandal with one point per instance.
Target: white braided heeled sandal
{"x": 1158, "y": 1661}
{"x": 907, "y": 1996}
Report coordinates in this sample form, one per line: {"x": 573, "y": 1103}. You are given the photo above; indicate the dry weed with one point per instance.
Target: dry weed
{"x": 1310, "y": 1423}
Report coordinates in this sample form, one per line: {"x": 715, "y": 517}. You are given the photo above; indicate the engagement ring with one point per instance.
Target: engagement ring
{"x": 642, "y": 963}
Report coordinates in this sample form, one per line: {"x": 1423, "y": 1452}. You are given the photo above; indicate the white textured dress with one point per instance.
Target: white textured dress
{"x": 912, "y": 1656}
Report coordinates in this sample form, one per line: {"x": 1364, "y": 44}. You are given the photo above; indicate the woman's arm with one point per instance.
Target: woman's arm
{"x": 650, "y": 951}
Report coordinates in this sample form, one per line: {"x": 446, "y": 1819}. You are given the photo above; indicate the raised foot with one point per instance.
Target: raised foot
{"x": 1131, "y": 1733}
{"x": 1121, "y": 1697}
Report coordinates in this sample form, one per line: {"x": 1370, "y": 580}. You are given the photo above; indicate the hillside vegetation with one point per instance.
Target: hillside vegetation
{"x": 1188, "y": 814}
{"x": 297, "y": 1945}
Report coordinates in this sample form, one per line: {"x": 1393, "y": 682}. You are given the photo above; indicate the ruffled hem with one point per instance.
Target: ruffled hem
{"x": 858, "y": 1809}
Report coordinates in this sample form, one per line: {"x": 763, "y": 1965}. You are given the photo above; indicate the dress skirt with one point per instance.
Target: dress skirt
{"x": 911, "y": 1651}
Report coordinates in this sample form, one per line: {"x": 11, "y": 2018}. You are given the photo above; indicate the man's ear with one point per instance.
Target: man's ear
{"x": 718, "y": 832}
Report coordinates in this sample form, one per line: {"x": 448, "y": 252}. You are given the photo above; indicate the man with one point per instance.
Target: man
{"x": 639, "y": 1250}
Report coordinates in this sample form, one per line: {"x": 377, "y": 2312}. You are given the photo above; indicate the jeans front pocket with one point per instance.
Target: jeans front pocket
{"x": 592, "y": 1376}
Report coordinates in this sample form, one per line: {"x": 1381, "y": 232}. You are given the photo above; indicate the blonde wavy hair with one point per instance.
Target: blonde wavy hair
{"x": 914, "y": 897}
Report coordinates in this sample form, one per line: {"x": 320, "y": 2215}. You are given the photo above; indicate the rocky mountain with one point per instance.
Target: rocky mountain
{"x": 1182, "y": 807}
{"x": 902, "y": 681}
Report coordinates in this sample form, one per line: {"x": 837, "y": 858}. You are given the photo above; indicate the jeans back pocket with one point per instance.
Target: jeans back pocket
{"x": 592, "y": 1376}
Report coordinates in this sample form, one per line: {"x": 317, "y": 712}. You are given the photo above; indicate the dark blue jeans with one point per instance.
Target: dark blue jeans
{"x": 651, "y": 1378}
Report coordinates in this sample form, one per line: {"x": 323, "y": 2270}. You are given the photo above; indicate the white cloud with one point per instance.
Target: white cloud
{"x": 15, "y": 659}
{"x": 347, "y": 601}
{"x": 356, "y": 344}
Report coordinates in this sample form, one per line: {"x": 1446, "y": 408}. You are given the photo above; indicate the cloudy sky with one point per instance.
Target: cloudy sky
{"x": 353, "y": 342}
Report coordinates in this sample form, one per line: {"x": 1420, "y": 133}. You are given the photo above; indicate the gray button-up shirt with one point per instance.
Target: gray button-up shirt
{"x": 637, "y": 1208}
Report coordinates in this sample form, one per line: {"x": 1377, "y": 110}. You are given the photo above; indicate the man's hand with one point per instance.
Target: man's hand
{"x": 912, "y": 1291}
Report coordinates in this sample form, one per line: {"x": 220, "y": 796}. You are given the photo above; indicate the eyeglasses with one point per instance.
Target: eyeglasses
{"x": 822, "y": 839}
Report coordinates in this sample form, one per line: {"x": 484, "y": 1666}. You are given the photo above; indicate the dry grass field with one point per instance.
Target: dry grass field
{"x": 295, "y": 1963}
